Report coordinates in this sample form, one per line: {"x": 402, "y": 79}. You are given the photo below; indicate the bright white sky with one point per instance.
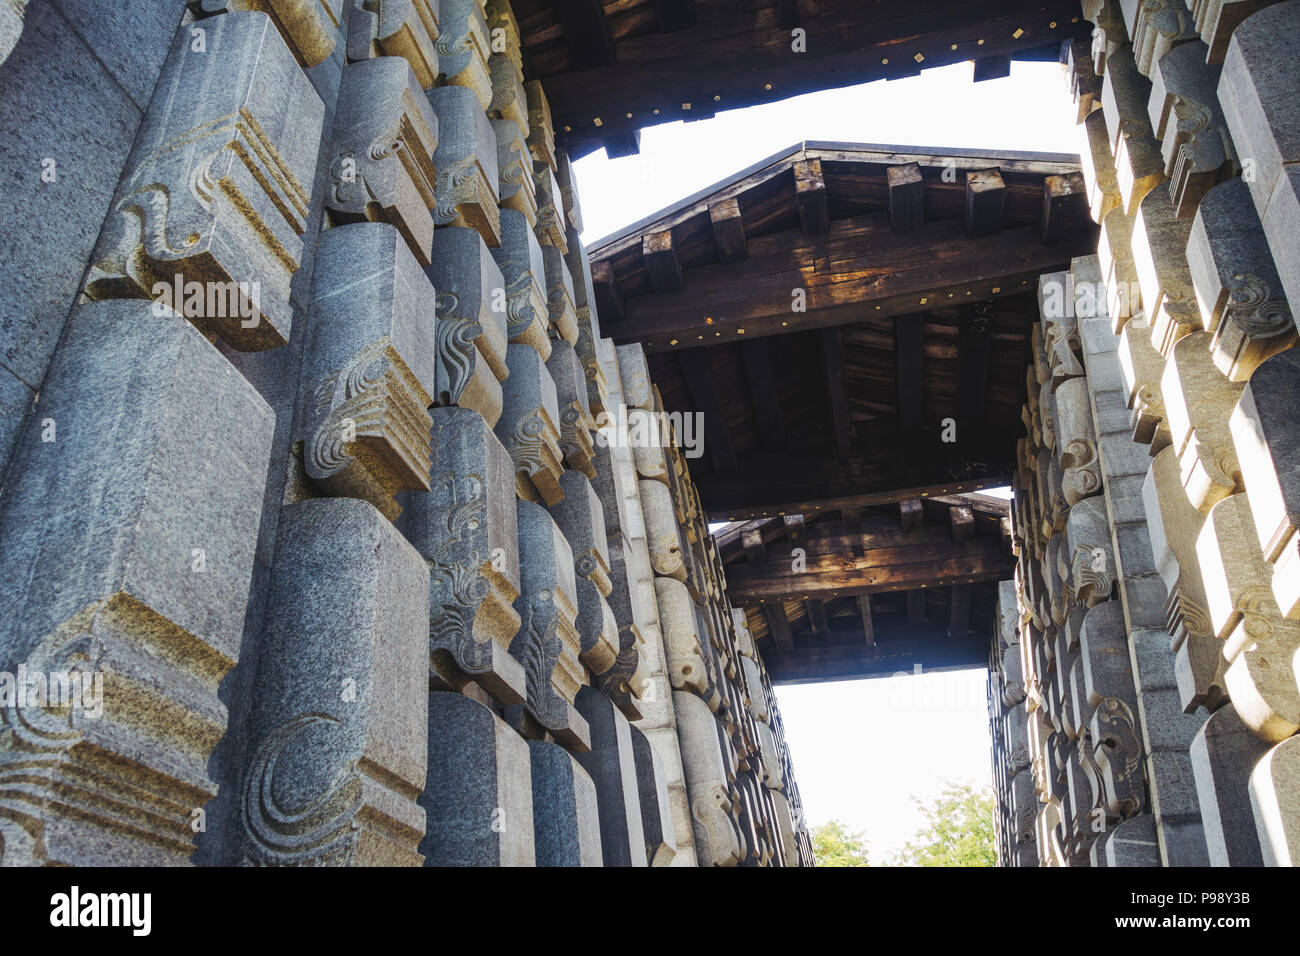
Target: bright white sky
{"x": 861, "y": 749}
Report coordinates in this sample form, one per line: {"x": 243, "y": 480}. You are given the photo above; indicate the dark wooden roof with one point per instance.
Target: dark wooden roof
{"x": 612, "y": 68}
{"x": 874, "y": 591}
{"x": 918, "y": 270}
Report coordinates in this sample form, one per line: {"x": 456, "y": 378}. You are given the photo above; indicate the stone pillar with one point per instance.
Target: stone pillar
{"x": 144, "y": 531}
{"x": 339, "y": 719}
{"x": 479, "y": 791}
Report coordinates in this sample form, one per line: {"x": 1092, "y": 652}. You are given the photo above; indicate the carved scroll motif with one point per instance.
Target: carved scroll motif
{"x": 338, "y": 759}
{"x": 466, "y": 528}
{"x": 385, "y": 135}
{"x": 471, "y": 305}
{"x": 548, "y": 644}
{"x": 369, "y": 369}
{"x": 217, "y": 187}
{"x": 467, "y": 164}
{"x": 524, "y": 271}
{"x": 463, "y": 48}
{"x": 397, "y": 28}
{"x": 515, "y": 183}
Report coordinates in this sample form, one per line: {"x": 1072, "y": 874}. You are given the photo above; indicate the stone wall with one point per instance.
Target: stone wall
{"x": 306, "y": 460}
{"x": 1145, "y": 693}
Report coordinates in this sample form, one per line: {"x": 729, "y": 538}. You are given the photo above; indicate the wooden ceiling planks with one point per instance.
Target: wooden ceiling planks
{"x": 833, "y": 349}
{"x": 827, "y": 622}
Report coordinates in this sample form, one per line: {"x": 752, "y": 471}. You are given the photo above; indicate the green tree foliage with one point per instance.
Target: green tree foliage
{"x": 835, "y": 845}
{"x": 958, "y": 830}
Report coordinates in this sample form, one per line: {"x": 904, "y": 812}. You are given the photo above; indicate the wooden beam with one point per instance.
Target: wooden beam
{"x": 586, "y": 31}
{"x": 756, "y": 185}
{"x": 660, "y": 258}
{"x": 981, "y": 504}
{"x": 959, "y": 610}
{"x": 704, "y": 396}
{"x": 909, "y": 365}
{"x": 778, "y": 626}
{"x": 974, "y": 355}
{"x": 672, "y": 15}
{"x": 906, "y": 197}
{"x": 751, "y": 543}
{"x": 832, "y": 343}
{"x": 992, "y": 68}
{"x": 961, "y": 521}
{"x": 876, "y": 273}
{"x": 745, "y": 57}
{"x": 817, "y": 505}
{"x": 1065, "y": 206}
{"x": 729, "y": 539}
{"x": 810, "y": 194}
{"x": 986, "y": 196}
{"x": 896, "y": 651}
{"x": 795, "y": 530}
{"x": 880, "y": 570}
{"x": 817, "y": 617}
{"x": 916, "y": 608}
{"x": 864, "y": 611}
{"x": 911, "y": 514}
{"x": 622, "y": 144}
{"x": 728, "y": 230}
{"x": 762, "y": 392}
{"x": 831, "y": 537}
{"x": 609, "y": 300}
{"x": 741, "y": 58}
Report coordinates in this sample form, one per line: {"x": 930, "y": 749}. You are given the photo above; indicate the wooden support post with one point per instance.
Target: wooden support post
{"x": 762, "y": 392}
{"x": 795, "y": 530}
{"x": 810, "y": 193}
{"x": 660, "y": 257}
{"x": 787, "y": 14}
{"x": 911, "y": 513}
{"x": 909, "y": 360}
{"x": 817, "y": 617}
{"x": 915, "y": 608}
{"x": 751, "y": 542}
{"x": 778, "y": 626}
{"x": 959, "y": 610}
{"x": 962, "y": 521}
{"x": 832, "y": 341}
{"x": 1065, "y": 206}
{"x": 704, "y": 396}
{"x": 729, "y": 230}
{"x": 609, "y": 300}
{"x": 975, "y": 354}
{"x": 673, "y": 15}
{"x": 985, "y": 199}
{"x": 992, "y": 68}
{"x": 864, "y": 611}
{"x": 587, "y": 31}
{"x": 906, "y": 197}
{"x": 622, "y": 144}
